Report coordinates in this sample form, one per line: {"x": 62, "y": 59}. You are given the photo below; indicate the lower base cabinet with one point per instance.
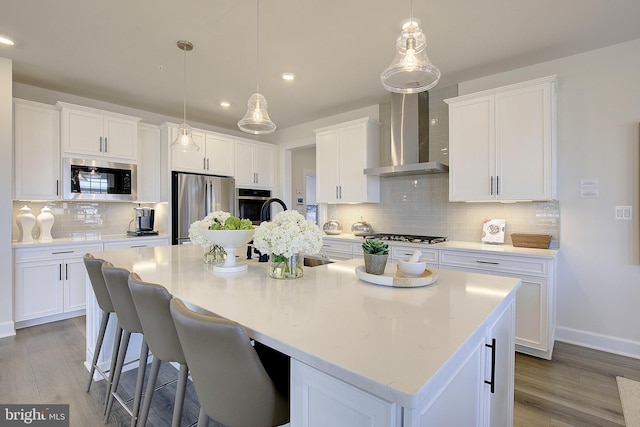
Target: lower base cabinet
{"x": 50, "y": 283}
{"x": 473, "y": 388}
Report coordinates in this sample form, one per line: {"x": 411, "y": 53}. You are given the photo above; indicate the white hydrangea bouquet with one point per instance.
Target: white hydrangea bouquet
{"x": 286, "y": 237}
{"x": 218, "y": 220}
{"x": 217, "y": 217}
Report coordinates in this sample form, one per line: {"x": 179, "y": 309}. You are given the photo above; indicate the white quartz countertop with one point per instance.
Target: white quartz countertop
{"x": 389, "y": 341}
{"x": 81, "y": 238}
{"x": 458, "y": 245}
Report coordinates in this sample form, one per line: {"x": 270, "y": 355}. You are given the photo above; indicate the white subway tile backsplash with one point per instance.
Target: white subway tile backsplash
{"x": 420, "y": 205}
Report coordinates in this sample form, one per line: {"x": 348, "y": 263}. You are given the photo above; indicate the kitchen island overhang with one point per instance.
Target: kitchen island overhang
{"x": 395, "y": 343}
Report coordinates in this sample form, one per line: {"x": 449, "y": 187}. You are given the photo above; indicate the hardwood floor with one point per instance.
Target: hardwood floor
{"x": 44, "y": 364}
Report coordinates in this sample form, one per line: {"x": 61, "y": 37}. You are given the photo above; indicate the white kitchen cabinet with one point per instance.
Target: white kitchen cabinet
{"x": 151, "y": 179}
{"x": 89, "y": 132}
{"x": 481, "y": 375}
{"x": 318, "y": 399}
{"x": 36, "y": 129}
{"x": 535, "y": 300}
{"x": 430, "y": 256}
{"x": 49, "y": 283}
{"x": 342, "y": 153}
{"x": 254, "y": 165}
{"x": 502, "y": 143}
{"x": 338, "y": 250}
{"x": 137, "y": 242}
{"x": 215, "y": 156}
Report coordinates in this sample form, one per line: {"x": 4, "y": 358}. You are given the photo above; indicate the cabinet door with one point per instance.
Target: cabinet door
{"x": 319, "y": 400}
{"x": 81, "y": 132}
{"x": 264, "y": 165}
{"x": 75, "y": 284}
{"x": 501, "y": 362}
{"x": 352, "y": 161}
{"x": 150, "y": 165}
{"x": 524, "y": 143}
{"x": 120, "y": 138}
{"x": 472, "y": 149}
{"x": 327, "y": 167}
{"x": 189, "y": 161}
{"x": 38, "y": 289}
{"x": 36, "y": 130}
{"x": 220, "y": 154}
{"x": 244, "y": 165}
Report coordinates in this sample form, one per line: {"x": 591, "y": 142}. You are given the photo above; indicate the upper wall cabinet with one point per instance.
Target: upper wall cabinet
{"x": 255, "y": 165}
{"x": 342, "y": 153}
{"x": 36, "y": 130}
{"x": 90, "y": 132}
{"x": 215, "y": 156}
{"x": 502, "y": 143}
{"x": 151, "y": 161}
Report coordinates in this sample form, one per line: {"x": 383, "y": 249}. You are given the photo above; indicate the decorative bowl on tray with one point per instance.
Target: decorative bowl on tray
{"x": 229, "y": 240}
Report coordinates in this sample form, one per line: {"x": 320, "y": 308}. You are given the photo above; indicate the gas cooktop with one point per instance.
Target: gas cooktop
{"x": 429, "y": 240}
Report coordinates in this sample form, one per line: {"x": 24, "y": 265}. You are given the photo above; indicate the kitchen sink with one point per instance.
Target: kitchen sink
{"x": 315, "y": 261}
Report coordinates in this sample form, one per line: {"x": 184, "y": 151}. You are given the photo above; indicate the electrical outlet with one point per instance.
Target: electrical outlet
{"x": 623, "y": 213}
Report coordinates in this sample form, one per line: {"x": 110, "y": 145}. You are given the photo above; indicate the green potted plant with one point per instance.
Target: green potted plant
{"x": 376, "y": 253}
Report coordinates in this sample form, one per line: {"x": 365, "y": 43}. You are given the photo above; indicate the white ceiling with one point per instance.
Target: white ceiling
{"x": 111, "y": 50}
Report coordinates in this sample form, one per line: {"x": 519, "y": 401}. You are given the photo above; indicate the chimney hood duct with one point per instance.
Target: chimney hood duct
{"x": 409, "y": 138}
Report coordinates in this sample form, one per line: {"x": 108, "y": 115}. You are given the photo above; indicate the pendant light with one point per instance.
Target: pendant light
{"x": 411, "y": 71}
{"x": 184, "y": 141}
{"x": 256, "y": 120}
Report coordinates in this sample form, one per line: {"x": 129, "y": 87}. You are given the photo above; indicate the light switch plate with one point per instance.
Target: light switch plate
{"x": 589, "y": 193}
{"x": 623, "y": 213}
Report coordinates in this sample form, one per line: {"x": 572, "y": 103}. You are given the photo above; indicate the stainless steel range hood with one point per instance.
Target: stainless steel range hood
{"x": 409, "y": 145}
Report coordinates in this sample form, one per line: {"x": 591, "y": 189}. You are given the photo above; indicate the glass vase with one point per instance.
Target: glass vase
{"x": 282, "y": 267}
{"x": 214, "y": 255}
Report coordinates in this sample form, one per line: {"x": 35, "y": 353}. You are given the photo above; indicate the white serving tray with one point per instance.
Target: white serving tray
{"x": 393, "y": 277}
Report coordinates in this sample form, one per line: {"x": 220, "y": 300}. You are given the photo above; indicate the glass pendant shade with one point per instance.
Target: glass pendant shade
{"x": 256, "y": 120}
{"x": 411, "y": 71}
{"x": 184, "y": 141}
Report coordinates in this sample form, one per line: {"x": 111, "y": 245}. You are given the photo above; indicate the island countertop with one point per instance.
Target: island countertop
{"x": 388, "y": 341}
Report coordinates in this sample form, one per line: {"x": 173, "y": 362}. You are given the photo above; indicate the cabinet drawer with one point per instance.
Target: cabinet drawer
{"x": 405, "y": 252}
{"x": 497, "y": 263}
{"x": 142, "y": 242}
{"x": 333, "y": 246}
{"x": 52, "y": 252}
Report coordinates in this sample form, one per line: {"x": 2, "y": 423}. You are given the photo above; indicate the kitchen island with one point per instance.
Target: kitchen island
{"x": 361, "y": 354}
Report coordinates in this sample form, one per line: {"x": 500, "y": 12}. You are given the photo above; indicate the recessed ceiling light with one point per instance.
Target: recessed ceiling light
{"x": 225, "y": 104}
{"x": 288, "y": 76}
{"x": 6, "y": 40}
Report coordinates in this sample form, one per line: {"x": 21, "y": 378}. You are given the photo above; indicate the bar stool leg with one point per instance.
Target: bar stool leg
{"x": 117, "y": 339}
{"x": 148, "y": 396}
{"x": 180, "y": 391}
{"x": 122, "y": 352}
{"x": 142, "y": 368}
{"x": 98, "y": 346}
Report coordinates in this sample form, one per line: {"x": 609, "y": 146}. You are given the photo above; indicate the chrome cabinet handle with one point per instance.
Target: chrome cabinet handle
{"x": 105, "y": 144}
{"x": 57, "y": 187}
{"x": 207, "y": 163}
{"x": 488, "y": 262}
{"x": 60, "y": 272}
{"x": 101, "y": 144}
{"x": 66, "y": 272}
{"x": 497, "y": 185}
{"x": 204, "y": 163}
{"x": 491, "y": 193}
{"x": 62, "y": 252}
{"x": 492, "y": 383}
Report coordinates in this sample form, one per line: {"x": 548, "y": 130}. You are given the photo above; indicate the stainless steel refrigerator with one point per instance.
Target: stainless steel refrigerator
{"x": 193, "y": 196}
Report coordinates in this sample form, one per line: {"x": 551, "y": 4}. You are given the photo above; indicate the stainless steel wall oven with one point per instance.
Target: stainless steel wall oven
{"x": 249, "y": 202}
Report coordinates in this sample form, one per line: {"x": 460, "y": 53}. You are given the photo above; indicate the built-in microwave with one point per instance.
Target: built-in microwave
{"x": 249, "y": 203}
{"x": 98, "y": 180}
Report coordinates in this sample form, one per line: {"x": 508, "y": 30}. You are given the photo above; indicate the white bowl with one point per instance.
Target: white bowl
{"x": 228, "y": 238}
{"x": 412, "y": 268}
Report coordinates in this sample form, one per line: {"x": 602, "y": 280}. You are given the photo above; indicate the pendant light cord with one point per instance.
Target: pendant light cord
{"x": 258, "y": 46}
{"x": 184, "y": 86}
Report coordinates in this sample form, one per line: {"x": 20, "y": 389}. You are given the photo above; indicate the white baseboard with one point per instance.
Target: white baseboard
{"x": 7, "y": 329}
{"x": 606, "y": 343}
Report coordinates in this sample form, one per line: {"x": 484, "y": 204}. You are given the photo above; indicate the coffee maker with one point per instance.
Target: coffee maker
{"x": 143, "y": 221}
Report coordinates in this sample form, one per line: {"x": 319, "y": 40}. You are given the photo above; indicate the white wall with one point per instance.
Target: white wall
{"x": 6, "y": 178}
{"x": 598, "y": 112}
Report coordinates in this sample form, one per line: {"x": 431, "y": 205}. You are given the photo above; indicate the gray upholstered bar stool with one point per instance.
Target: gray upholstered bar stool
{"x": 94, "y": 270}
{"x": 152, "y": 303}
{"x": 118, "y": 286}
{"x": 231, "y": 383}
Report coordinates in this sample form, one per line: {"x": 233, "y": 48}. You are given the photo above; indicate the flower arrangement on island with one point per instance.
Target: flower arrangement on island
{"x": 218, "y": 220}
{"x": 287, "y": 236}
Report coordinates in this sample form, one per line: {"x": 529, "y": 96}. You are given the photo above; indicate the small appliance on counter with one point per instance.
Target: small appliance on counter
{"x": 143, "y": 219}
